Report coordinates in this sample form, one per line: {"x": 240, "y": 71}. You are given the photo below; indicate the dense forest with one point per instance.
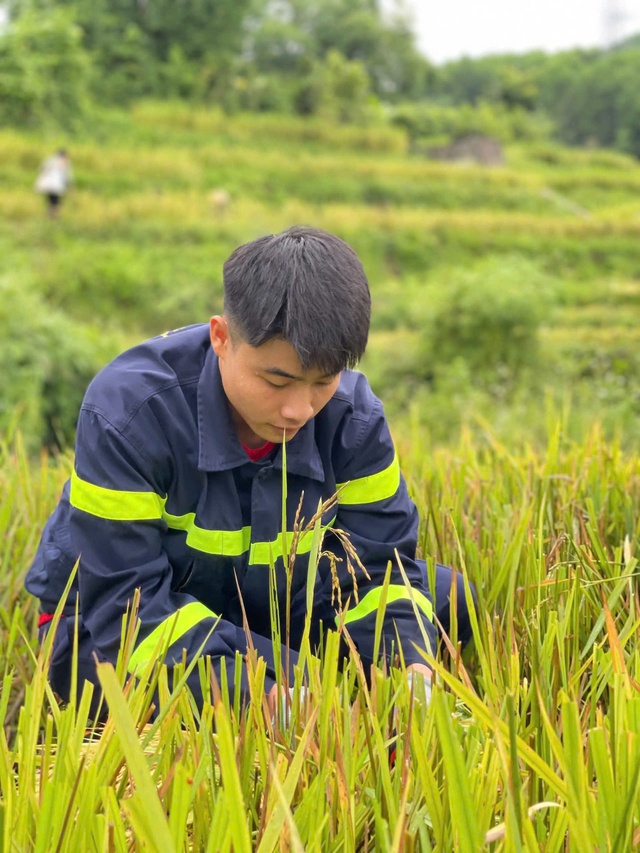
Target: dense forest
{"x": 348, "y": 61}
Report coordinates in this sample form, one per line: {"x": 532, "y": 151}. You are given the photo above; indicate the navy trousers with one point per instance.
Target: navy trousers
{"x": 62, "y": 652}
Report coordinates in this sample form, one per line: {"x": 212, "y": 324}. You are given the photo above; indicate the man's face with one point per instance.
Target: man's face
{"x": 269, "y": 393}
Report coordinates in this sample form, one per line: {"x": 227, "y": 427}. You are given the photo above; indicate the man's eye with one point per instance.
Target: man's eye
{"x": 274, "y": 384}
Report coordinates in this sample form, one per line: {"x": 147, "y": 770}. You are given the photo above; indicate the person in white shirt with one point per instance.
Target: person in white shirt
{"x": 54, "y": 180}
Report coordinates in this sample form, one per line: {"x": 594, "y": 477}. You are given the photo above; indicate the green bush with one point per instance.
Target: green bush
{"x": 488, "y": 316}
{"x": 426, "y": 120}
{"x": 48, "y": 362}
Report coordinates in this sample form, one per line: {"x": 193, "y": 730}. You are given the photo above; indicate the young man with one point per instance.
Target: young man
{"x": 177, "y": 486}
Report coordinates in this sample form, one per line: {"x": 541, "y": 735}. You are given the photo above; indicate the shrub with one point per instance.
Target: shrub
{"x": 488, "y": 316}
{"x": 47, "y": 363}
{"x": 428, "y": 120}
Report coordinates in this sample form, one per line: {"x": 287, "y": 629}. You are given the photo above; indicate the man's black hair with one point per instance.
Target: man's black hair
{"x": 305, "y": 286}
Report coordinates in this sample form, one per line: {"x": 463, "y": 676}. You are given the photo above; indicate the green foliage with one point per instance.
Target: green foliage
{"x": 281, "y": 47}
{"x": 601, "y": 105}
{"x": 529, "y": 80}
{"x": 336, "y": 89}
{"x": 125, "y": 69}
{"x": 140, "y": 245}
{"x": 44, "y": 71}
{"x": 202, "y": 28}
{"x": 48, "y": 362}
{"x": 338, "y": 59}
{"x": 232, "y": 140}
{"x": 153, "y": 289}
{"x": 333, "y": 89}
{"x": 464, "y": 342}
{"x": 590, "y": 96}
{"x": 425, "y": 120}
{"x": 488, "y": 315}
{"x": 246, "y": 54}
{"x": 293, "y": 35}
{"x": 141, "y": 49}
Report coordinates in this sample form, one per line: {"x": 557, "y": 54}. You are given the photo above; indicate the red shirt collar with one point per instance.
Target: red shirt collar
{"x": 255, "y": 454}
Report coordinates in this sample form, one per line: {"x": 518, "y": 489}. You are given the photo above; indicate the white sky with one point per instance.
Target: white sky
{"x": 449, "y": 29}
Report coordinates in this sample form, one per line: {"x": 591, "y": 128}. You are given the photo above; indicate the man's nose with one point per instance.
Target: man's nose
{"x": 297, "y": 409}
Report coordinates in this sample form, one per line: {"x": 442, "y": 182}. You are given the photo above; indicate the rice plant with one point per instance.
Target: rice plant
{"x": 531, "y": 740}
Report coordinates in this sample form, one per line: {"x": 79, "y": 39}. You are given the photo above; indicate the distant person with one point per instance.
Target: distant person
{"x": 220, "y": 200}
{"x": 177, "y": 486}
{"x": 54, "y": 180}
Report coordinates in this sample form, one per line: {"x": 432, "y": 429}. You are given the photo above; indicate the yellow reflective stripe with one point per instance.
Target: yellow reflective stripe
{"x": 234, "y": 543}
{"x": 371, "y": 602}
{"x": 117, "y": 505}
{"x": 114, "y": 504}
{"x": 375, "y": 487}
{"x": 264, "y": 552}
{"x": 227, "y": 543}
{"x": 168, "y": 632}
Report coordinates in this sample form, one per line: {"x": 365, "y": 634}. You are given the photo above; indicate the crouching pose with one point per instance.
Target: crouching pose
{"x": 177, "y": 486}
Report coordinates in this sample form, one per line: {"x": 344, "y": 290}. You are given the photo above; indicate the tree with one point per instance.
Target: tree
{"x": 294, "y": 32}
{"x": 338, "y": 89}
{"x": 282, "y": 47}
{"x": 44, "y": 70}
{"x": 600, "y": 104}
{"x": 130, "y": 41}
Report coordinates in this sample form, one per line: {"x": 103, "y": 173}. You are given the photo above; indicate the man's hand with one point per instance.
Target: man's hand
{"x": 272, "y": 700}
{"x": 424, "y": 672}
{"x": 421, "y": 668}
{"x": 283, "y": 699}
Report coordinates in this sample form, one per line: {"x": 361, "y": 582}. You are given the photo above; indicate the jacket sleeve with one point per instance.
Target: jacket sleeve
{"x": 118, "y": 492}
{"x": 379, "y": 518}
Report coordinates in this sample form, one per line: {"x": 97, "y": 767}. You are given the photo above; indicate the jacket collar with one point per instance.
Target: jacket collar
{"x": 219, "y": 448}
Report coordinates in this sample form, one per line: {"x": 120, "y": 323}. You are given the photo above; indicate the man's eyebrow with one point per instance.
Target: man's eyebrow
{"x": 276, "y": 371}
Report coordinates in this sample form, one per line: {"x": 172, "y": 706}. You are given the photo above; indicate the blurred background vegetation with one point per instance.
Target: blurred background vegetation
{"x": 503, "y": 294}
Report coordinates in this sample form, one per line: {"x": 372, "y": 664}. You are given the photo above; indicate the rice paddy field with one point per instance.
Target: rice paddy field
{"x": 529, "y": 486}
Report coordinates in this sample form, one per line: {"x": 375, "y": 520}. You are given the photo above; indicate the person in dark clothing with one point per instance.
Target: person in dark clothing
{"x": 177, "y": 486}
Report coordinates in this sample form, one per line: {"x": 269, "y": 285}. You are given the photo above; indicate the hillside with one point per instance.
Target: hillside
{"x": 140, "y": 245}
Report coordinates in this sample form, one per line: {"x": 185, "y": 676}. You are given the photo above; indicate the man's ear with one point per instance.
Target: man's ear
{"x": 219, "y": 334}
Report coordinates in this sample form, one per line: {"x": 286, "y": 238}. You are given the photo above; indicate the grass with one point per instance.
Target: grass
{"x": 531, "y": 741}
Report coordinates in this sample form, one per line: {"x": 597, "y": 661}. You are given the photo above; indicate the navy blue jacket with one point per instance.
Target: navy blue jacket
{"x": 164, "y": 499}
